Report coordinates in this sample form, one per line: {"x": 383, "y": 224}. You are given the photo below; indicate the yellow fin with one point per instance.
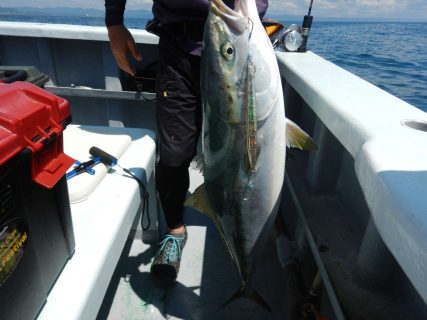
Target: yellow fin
{"x": 298, "y": 138}
{"x": 199, "y": 200}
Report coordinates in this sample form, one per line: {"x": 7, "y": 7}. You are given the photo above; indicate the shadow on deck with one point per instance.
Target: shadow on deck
{"x": 206, "y": 280}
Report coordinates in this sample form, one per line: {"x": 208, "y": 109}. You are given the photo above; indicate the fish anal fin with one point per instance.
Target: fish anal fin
{"x": 259, "y": 300}
{"x": 298, "y": 138}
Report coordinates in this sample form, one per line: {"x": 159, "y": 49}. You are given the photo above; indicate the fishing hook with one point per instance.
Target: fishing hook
{"x": 252, "y": 27}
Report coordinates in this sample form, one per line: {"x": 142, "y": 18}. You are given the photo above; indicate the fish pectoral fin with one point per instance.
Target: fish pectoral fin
{"x": 200, "y": 162}
{"x": 298, "y": 138}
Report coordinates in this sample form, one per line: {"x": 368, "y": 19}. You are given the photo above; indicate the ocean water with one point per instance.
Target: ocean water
{"x": 391, "y": 55}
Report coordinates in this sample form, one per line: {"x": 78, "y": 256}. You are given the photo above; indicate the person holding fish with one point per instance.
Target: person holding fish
{"x": 179, "y": 25}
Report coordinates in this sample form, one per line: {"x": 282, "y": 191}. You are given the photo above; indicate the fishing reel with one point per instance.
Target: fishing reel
{"x": 283, "y": 39}
{"x": 293, "y": 38}
{"x": 289, "y": 39}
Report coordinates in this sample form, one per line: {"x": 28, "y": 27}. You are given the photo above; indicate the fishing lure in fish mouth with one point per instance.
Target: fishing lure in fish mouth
{"x": 251, "y": 131}
{"x": 251, "y": 121}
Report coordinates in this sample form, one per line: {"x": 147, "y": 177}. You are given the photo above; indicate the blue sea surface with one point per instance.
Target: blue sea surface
{"x": 391, "y": 55}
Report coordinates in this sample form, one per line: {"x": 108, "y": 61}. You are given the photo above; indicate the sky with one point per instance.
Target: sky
{"x": 360, "y": 9}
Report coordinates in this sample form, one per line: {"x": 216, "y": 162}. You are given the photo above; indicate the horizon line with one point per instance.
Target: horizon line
{"x": 272, "y": 15}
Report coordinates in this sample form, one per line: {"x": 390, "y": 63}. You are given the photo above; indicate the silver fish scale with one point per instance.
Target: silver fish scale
{"x": 243, "y": 134}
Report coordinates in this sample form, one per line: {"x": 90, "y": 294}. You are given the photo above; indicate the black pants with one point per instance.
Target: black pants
{"x": 178, "y": 113}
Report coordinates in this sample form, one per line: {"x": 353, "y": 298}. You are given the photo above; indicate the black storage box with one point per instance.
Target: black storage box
{"x": 36, "y": 234}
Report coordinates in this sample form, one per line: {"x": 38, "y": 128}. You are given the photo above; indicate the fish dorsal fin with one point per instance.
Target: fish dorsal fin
{"x": 298, "y": 138}
{"x": 199, "y": 200}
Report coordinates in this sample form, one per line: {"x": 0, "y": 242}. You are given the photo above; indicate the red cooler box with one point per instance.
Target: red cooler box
{"x": 36, "y": 233}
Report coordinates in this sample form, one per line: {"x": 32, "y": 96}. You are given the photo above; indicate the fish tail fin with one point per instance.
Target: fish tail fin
{"x": 252, "y": 295}
{"x": 259, "y": 300}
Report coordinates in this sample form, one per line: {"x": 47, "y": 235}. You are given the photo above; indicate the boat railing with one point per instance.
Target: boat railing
{"x": 375, "y": 138}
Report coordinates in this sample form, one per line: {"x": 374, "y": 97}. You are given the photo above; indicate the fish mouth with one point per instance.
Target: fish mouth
{"x": 234, "y": 19}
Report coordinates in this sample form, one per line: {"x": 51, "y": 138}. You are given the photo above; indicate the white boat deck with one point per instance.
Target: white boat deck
{"x": 206, "y": 280}
{"x": 113, "y": 252}
{"x": 102, "y": 219}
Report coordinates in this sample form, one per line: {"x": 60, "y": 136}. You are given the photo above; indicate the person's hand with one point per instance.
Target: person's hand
{"x": 122, "y": 42}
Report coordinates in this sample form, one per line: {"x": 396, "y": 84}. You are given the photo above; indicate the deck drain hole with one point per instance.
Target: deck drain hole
{"x": 415, "y": 124}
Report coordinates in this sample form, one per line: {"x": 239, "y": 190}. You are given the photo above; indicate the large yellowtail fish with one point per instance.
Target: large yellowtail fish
{"x": 244, "y": 134}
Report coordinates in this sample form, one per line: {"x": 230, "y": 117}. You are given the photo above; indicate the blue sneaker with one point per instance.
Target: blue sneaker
{"x": 165, "y": 267}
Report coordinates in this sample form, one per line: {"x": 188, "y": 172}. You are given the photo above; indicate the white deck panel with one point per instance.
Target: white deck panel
{"x": 207, "y": 278}
{"x": 392, "y": 170}
{"x": 101, "y": 226}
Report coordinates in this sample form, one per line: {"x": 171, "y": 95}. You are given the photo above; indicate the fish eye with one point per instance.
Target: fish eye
{"x": 227, "y": 51}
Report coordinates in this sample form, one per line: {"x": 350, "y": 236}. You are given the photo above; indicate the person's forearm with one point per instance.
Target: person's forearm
{"x": 114, "y": 11}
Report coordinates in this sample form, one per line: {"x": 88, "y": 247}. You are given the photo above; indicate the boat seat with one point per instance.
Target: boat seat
{"x": 104, "y": 207}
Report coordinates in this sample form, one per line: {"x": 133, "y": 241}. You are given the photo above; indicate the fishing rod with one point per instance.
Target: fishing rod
{"x": 305, "y": 30}
{"x": 309, "y": 9}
